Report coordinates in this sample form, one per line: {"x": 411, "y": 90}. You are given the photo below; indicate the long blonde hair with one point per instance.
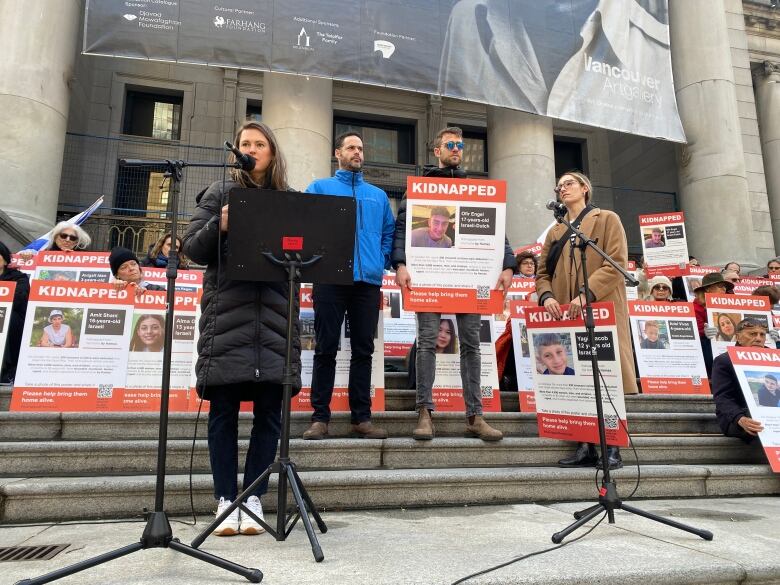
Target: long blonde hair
{"x": 276, "y": 174}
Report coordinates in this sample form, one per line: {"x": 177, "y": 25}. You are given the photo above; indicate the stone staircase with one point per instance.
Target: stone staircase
{"x": 58, "y": 466}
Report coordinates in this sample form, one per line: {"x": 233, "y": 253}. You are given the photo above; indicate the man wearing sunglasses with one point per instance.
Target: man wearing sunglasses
{"x": 448, "y": 149}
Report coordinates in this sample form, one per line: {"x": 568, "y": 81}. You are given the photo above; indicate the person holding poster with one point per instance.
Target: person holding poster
{"x": 448, "y": 149}
{"x": 712, "y": 283}
{"x": 127, "y": 270}
{"x": 559, "y": 280}
{"x": 527, "y": 264}
{"x": 242, "y": 344}
{"x": 660, "y": 289}
{"x": 15, "y": 321}
{"x": 359, "y": 300}
{"x": 731, "y": 409}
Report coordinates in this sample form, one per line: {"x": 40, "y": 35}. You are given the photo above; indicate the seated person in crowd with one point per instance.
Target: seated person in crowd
{"x": 731, "y": 276}
{"x": 732, "y": 267}
{"x": 713, "y": 283}
{"x": 18, "y": 311}
{"x": 127, "y": 270}
{"x": 65, "y": 237}
{"x": 158, "y": 253}
{"x": 526, "y": 264}
{"x": 730, "y": 407}
{"x": 773, "y": 267}
{"x": 660, "y": 289}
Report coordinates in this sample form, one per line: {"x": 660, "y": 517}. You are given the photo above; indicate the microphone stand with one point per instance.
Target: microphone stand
{"x": 608, "y": 500}
{"x": 158, "y": 533}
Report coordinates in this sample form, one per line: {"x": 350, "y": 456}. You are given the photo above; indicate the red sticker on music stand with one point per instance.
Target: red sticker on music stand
{"x": 292, "y": 243}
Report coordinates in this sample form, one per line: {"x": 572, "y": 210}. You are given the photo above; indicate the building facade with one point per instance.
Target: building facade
{"x": 67, "y": 119}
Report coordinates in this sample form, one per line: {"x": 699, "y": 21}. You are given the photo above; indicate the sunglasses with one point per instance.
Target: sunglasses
{"x": 68, "y": 237}
{"x": 661, "y": 287}
{"x": 452, "y": 144}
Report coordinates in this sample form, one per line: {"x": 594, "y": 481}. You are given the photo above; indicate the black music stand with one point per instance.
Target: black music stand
{"x": 158, "y": 533}
{"x": 275, "y": 236}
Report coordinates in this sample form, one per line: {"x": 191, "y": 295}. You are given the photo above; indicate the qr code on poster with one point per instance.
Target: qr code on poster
{"x": 483, "y": 292}
{"x": 696, "y": 380}
{"x": 105, "y": 390}
{"x": 487, "y": 391}
{"x": 611, "y": 422}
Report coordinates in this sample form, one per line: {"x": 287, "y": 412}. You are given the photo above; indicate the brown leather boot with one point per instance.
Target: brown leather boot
{"x": 366, "y": 430}
{"x": 317, "y": 430}
{"x": 478, "y": 427}
{"x": 424, "y": 429}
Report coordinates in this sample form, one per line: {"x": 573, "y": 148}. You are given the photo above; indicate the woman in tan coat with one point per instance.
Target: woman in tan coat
{"x": 559, "y": 282}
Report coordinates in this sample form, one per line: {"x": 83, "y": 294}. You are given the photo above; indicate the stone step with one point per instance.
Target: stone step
{"x": 110, "y": 426}
{"x": 81, "y": 458}
{"x": 51, "y": 499}
{"x": 401, "y": 400}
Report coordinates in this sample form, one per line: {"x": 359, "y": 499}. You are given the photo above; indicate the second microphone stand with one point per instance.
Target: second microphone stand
{"x": 608, "y": 500}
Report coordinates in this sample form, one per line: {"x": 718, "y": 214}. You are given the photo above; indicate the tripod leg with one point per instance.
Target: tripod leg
{"x": 76, "y": 567}
{"x": 253, "y": 575}
{"x": 315, "y": 545}
{"x": 558, "y": 537}
{"x": 581, "y": 513}
{"x": 317, "y": 518}
{"x": 705, "y": 534}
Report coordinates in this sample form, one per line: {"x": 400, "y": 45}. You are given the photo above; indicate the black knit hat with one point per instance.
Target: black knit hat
{"x": 5, "y": 253}
{"x": 119, "y": 256}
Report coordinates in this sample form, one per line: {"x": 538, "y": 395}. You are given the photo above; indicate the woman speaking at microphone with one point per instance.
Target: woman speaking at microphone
{"x": 242, "y": 345}
{"x": 559, "y": 281}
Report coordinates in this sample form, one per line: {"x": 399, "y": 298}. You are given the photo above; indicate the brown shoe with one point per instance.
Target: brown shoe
{"x": 317, "y": 430}
{"x": 478, "y": 427}
{"x": 366, "y": 430}
{"x": 424, "y": 430}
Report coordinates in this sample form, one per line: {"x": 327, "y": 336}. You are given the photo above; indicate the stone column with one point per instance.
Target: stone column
{"x": 38, "y": 41}
{"x": 767, "y": 84}
{"x": 299, "y": 110}
{"x": 711, "y": 175}
{"x": 521, "y": 151}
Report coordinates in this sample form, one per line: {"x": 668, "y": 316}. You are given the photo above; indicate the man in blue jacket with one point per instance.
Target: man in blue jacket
{"x": 374, "y": 229}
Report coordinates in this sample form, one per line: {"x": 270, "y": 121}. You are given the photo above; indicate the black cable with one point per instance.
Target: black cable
{"x": 529, "y": 555}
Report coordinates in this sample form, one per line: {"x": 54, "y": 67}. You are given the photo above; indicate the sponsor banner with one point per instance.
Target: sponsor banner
{"x": 186, "y": 280}
{"x": 667, "y": 348}
{"x": 145, "y": 359}
{"x": 448, "y": 385}
{"x": 7, "y": 290}
{"x": 632, "y": 292}
{"x": 725, "y": 311}
{"x": 613, "y": 70}
{"x": 74, "y": 348}
{"x": 454, "y": 244}
{"x": 692, "y": 278}
{"x": 522, "y": 353}
{"x": 400, "y": 325}
{"x": 26, "y": 265}
{"x": 563, "y": 375}
{"x": 73, "y": 266}
{"x": 663, "y": 243}
{"x": 758, "y": 371}
{"x": 340, "y": 399}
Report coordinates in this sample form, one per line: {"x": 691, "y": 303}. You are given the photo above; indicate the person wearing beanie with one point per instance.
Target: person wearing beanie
{"x": 18, "y": 311}
{"x": 660, "y": 289}
{"x": 127, "y": 270}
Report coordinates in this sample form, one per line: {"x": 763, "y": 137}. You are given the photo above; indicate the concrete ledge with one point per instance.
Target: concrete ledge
{"x": 28, "y": 500}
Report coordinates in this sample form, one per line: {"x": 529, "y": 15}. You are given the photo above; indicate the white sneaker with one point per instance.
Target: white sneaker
{"x": 229, "y": 526}
{"x": 248, "y": 524}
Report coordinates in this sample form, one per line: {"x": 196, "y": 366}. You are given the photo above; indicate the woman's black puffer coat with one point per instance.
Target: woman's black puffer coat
{"x": 243, "y": 324}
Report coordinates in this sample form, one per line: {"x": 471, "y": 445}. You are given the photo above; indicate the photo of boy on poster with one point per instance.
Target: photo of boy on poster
{"x": 553, "y": 354}
{"x": 432, "y": 226}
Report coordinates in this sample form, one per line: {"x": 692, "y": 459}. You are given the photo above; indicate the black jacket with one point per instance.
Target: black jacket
{"x": 16, "y": 321}
{"x": 243, "y": 325}
{"x": 730, "y": 403}
{"x": 398, "y": 255}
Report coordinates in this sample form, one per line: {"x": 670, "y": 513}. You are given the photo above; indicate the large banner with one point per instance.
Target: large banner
{"x": 667, "y": 348}
{"x": 725, "y": 311}
{"x": 604, "y": 63}
{"x": 758, "y": 370}
{"x": 74, "y": 348}
{"x": 563, "y": 375}
{"x": 340, "y": 398}
{"x": 454, "y": 245}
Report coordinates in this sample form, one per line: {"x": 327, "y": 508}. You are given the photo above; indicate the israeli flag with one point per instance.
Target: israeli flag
{"x": 40, "y": 243}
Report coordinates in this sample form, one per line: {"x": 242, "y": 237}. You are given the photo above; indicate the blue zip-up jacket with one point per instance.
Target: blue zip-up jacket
{"x": 374, "y": 225}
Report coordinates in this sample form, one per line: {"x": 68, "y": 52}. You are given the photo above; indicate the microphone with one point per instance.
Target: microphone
{"x": 558, "y": 208}
{"x": 246, "y": 162}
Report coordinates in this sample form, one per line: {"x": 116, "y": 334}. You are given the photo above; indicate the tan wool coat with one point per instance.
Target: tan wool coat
{"x": 606, "y": 283}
